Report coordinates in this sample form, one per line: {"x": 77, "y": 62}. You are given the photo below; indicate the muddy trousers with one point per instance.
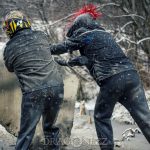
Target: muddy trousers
{"x": 45, "y": 103}
{"x": 127, "y": 89}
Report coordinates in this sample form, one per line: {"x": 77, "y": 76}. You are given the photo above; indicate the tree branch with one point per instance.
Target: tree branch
{"x": 108, "y": 4}
{"x": 147, "y": 38}
{"x": 124, "y": 38}
{"x": 133, "y": 42}
{"x": 70, "y": 15}
{"x": 124, "y": 26}
{"x": 129, "y": 15}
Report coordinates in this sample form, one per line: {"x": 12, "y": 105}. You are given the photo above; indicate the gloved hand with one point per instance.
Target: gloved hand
{"x": 78, "y": 61}
{"x": 61, "y": 62}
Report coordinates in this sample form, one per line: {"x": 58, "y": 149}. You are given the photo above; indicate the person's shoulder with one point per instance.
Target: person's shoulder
{"x": 10, "y": 44}
{"x": 7, "y": 45}
{"x": 41, "y": 34}
{"x": 6, "y": 49}
{"x": 80, "y": 32}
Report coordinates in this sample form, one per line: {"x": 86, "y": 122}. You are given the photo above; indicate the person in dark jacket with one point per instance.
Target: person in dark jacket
{"x": 113, "y": 72}
{"x": 27, "y": 55}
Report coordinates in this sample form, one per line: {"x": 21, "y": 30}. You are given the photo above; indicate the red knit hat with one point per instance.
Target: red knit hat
{"x": 91, "y": 9}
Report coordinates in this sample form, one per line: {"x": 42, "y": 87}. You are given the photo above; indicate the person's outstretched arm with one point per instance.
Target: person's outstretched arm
{"x": 70, "y": 44}
{"x": 77, "y": 61}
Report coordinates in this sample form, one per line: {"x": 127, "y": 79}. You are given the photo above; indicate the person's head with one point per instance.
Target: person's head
{"x": 84, "y": 18}
{"x": 15, "y": 21}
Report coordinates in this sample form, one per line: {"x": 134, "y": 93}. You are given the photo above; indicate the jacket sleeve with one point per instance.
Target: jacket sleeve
{"x": 70, "y": 44}
{"x": 7, "y": 62}
{"x": 78, "y": 61}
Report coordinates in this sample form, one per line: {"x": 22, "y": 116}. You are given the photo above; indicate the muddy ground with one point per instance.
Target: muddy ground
{"x": 84, "y": 136}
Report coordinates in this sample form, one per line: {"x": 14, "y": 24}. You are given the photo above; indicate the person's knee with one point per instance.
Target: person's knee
{"x": 103, "y": 115}
{"x": 97, "y": 115}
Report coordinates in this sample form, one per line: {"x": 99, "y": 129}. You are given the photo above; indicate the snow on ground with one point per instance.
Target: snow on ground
{"x": 7, "y": 141}
{"x": 120, "y": 113}
{"x": 147, "y": 93}
{"x": 84, "y": 136}
{"x": 83, "y": 130}
{"x": 2, "y": 46}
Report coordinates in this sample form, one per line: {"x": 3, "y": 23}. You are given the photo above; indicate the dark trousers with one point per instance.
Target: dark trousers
{"x": 45, "y": 103}
{"x": 127, "y": 89}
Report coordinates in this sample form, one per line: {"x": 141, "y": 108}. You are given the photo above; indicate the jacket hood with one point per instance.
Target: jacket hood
{"x": 85, "y": 22}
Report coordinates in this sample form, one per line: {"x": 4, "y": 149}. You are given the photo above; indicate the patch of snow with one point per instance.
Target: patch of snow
{"x": 2, "y": 46}
{"x": 59, "y": 32}
{"x": 147, "y": 94}
{"x": 121, "y": 114}
{"x": 2, "y": 130}
{"x": 77, "y": 105}
{"x": 7, "y": 140}
{"x": 90, "y": 105}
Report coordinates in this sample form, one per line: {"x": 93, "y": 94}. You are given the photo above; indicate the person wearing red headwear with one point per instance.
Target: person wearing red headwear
{"x": 111, "y": 69}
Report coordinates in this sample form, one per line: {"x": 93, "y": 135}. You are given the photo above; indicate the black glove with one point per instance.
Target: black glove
{"x": 61, "y": 62}
{"x": 78, "y": 61}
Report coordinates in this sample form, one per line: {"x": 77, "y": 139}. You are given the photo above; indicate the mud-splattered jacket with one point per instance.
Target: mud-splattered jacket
{"x": 105, "y": 57}
{"x": 28, "y": 55}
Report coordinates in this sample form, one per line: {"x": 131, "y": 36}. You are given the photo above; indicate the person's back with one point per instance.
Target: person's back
{"x": 30, "y": 58}
{"x": 105, "y": 56}
{"x": 28, "y": 55}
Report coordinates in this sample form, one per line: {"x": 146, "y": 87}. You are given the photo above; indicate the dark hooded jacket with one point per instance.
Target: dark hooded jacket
{"x": 27, "y": 54}
{"x": 105, "y": 57}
